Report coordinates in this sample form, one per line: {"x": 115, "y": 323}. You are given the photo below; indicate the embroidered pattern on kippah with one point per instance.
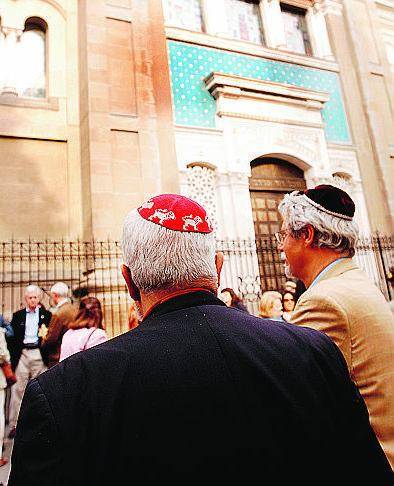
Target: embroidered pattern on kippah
{"x": 177, "y": 213}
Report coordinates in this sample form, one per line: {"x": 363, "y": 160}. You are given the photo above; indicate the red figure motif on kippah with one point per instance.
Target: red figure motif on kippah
{"x": 177, "y": 213}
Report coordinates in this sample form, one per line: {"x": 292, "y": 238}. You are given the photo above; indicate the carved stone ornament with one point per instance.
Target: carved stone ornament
{"x": 201, "y": 186}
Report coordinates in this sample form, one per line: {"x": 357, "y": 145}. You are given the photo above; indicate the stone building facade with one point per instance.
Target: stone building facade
{"x": 86, "y": 130}
{"x": 105, "y": 102}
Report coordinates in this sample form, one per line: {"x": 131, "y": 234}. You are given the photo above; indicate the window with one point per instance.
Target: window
{"x": 297, "y": 38}
{"x": 31, "y": 65}
{"x": 244, "y": 21}
{"x": 184, "y": 13}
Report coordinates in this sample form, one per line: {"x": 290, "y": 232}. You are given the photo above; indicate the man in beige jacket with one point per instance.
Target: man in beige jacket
{"x": 318, "y": 238}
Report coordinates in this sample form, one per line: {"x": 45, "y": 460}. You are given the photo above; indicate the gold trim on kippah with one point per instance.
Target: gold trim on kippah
{"x": 322, "y": 208}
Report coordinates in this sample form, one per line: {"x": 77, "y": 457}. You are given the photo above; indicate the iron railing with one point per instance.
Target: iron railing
{"x": 250, "y": 267}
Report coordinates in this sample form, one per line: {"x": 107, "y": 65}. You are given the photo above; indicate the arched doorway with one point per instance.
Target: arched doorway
{"x": 271, "y": 179}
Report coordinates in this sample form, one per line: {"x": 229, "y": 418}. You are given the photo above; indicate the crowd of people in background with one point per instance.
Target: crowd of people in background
{"x": 203, "y": 387}
{"x": 36, "y": 339}
{"x": 273, "y": 304}
{"x": 320, "y": 271}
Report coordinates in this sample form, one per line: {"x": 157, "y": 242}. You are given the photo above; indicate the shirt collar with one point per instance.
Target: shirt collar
{"x": 325, "y": 270}
{"x": 36, "y": 310}
{"x": 61, "y": 302}
{"x": 182, "y": 299}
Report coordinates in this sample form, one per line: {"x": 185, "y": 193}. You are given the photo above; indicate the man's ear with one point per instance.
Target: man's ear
{"x": 133, "y": 289}
{"x": 309, "y": 235}
{"x": 219, "y": 258}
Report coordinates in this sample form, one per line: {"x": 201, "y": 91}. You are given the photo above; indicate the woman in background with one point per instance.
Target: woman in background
{"x": 270, "y": 306}
{"x": 288, "y": 306}
{"x": 4, "y": 358}
{"x": 87, "y": 329}
{"x": 231, "y": 299}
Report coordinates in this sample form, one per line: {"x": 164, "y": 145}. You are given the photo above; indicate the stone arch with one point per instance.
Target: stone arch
{"x": 56, "y": 6}
{"x": 275, "y": 173}
{"x": 199, "y": 163}
{"x": 37, "y": 22}
{"x": 305, "y": 159}
{"x": 343, "y": 180}
{"x": 291, "y": 159}
{"x": 343, "y": 175}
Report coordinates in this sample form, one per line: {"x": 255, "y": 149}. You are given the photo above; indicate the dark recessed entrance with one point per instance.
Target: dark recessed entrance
{"x": 271, "y": 179}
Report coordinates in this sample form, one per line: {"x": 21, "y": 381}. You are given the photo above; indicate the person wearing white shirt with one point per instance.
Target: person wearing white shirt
{"x": 25, "y": 347}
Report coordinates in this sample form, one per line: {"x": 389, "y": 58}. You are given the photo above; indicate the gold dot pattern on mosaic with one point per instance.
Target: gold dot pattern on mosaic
{"x": 194, "y": 106}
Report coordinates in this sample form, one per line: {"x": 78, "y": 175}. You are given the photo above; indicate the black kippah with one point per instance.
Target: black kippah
{"x": 332, "y": 200}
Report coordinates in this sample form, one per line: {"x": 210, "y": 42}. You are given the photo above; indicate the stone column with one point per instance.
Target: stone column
{"x": 234, "y": 206}
{"x": 11, "y": 39}
{"x": 274, "y": 29}
{"x": 349, "y": 25}
{"x": 214, "y": 20}
{"x": 361, "y": 208}
{"x": 318, "y": 32}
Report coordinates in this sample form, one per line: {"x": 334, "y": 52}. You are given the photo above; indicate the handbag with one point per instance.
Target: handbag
{"x": 8, "y": 373}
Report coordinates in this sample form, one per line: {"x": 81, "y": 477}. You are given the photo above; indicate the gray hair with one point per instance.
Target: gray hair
{"x": 331, "y": 231}
{"x": 33, "y": 289}
{"x": 60, "y": 288}
{"x": 160, "y": 258}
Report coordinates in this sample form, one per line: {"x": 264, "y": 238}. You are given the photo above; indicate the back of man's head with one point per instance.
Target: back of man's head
{"x": 168, "y": 244}
{"x": 60, "y": 288}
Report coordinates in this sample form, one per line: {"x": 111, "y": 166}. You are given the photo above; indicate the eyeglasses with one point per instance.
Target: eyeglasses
{"x": 288, "y": 300}
{"x": 280, "y": 236}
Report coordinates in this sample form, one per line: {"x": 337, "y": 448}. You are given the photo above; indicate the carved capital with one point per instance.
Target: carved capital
{"x": 11, "y": 32}
{"x": 334, "y": 7}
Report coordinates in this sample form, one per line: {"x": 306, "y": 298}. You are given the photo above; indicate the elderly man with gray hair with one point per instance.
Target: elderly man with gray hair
{"x": 199, "y": 392}
{"x": 318, "y": 240}
{"x": 25, "y": 347}
{"x": 64, "y": 313}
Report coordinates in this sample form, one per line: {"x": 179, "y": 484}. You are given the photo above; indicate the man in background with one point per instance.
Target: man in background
{"x": 24, "y": 344}
{"x": 64, "y": 313}
{"x": 318, "y": 238}
{"x": 390, "y": 279}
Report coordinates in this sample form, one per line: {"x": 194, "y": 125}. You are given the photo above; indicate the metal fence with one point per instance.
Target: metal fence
{"x": 253, "y": 266}
{"x": 250, "y": 267}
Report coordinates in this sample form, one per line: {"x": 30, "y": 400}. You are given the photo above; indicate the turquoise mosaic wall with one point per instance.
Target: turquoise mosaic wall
{"x": 193, "y": 105}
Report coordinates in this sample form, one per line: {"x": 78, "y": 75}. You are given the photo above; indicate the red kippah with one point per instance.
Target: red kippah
{"x": 177, "y": 213}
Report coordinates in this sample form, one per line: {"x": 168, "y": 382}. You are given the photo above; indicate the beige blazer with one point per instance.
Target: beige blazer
{"x": 348, "y": 307}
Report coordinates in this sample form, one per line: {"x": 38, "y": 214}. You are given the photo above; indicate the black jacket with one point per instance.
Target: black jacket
{"x": 198, "y": 393}
{"x": 18, "y": 323}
